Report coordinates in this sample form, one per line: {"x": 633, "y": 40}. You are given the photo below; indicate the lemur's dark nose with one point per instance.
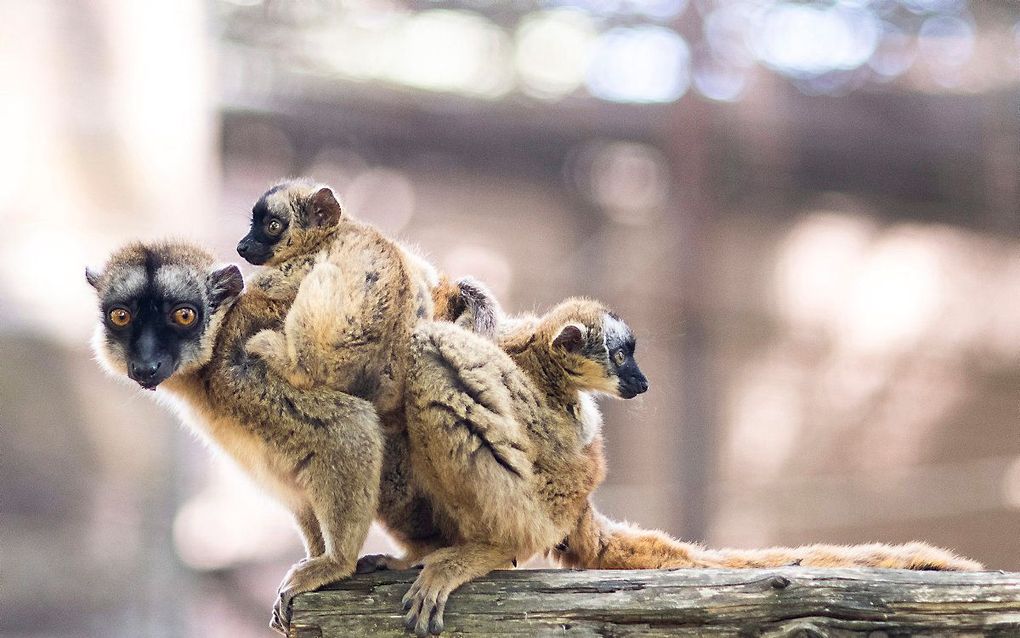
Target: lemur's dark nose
{"x": 243, "y": 247}
{"x": 641, "y": 385}
{"x": 145, "y": 371}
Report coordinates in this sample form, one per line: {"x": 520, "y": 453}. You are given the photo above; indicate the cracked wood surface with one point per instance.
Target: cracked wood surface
{"x": 789, "y": 601}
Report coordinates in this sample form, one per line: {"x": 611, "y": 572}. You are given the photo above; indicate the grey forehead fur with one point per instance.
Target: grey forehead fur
{"x": 176, "y": 281}
{"x": 124, "y": 282}
{"x": 616, "y": 332}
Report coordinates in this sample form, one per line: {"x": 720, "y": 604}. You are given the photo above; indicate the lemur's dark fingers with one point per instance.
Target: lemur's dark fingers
{"x": 279, "y": 623}
{"x": 411, "y": 617}
{"x": 436, "y": 622}
{"x": 409, "y": 597}
{"x": 426, "y": 613}
{"x": 425, "y": 604}
{"x": 283, "y": 602}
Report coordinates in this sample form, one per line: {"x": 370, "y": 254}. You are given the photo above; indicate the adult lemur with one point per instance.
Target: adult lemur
{"x": 170, "y": 319}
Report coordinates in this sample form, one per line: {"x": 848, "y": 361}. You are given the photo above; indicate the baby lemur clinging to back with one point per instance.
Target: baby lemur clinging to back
{"x": 170, "y": 319}
{"x": 300, "y": 221}
{"x": 374, "y": 292}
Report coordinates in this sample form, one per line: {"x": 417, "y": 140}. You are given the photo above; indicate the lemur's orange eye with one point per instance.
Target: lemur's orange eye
{"x": 619, "y": 357}
{"x": 120, "y": 317}
{"x": 184, "y": 316}
{"x": 274, "y": 227}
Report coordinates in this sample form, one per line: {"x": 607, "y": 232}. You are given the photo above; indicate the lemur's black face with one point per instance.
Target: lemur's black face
{"x": 153, "y": 331}
{"x": 268, "y": 227}
{"x": 156, "y": 311}
{"x": 620, "y": 343}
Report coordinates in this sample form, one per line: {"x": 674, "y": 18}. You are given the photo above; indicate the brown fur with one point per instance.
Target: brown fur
{"x": 317, "y": 451}
{"x": 352, "y": 316}
{"x": 350, "y": 324}
{"x": 600, "y": 543}
{"x": 502, "y": 446}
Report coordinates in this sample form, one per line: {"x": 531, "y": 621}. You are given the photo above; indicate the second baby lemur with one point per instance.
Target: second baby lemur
{"x": 509, "y": 447}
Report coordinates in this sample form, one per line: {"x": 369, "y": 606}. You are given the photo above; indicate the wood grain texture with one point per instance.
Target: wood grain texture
{"x": 790, "y": 601}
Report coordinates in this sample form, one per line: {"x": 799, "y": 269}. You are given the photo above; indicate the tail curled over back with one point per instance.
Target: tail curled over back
{"x": 601, "y": 543}
{"x": 481, "y": 310}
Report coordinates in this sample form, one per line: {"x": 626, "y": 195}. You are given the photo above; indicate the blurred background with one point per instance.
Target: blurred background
{"x": 807, "y": 211}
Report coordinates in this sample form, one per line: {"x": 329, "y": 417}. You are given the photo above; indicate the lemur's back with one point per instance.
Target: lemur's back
{"x": 475, "y": 417}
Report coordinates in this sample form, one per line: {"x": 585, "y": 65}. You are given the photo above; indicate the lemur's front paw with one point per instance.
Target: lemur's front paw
{"x": 307, "y": 575}
{"x": 267, "y": 344}
{"x": 282, "y": 610}
{"x": 424, "y": 603}
{"x": 277, "y": 623}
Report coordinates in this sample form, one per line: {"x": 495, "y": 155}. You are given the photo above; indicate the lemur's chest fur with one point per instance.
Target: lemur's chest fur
{"x": 208, "y": 398}
{"x": 587, "y": 417}
{"x": 231, "y": 435}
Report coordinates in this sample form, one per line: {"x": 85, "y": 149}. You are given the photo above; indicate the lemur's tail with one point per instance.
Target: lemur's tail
{"x": 601, "y": 543}
{"x": 481, "y": 310}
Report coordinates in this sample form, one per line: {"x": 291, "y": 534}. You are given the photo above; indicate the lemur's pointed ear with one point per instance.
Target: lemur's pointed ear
{"x": 571, "y": 337}
{"x": 325, "y": 210}
{"x": 225, "y": 284}
{"x": 92, "y": 277}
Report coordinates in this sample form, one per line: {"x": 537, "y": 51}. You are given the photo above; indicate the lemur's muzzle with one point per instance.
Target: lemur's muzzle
{"x": 633, "y": 385}
{"x": 253, "y": 251}
{"x": 149, "y": 373}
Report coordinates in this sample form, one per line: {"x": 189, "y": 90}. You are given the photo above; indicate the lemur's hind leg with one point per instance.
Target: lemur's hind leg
{"x": 272, "y": 347}
{"x": 311, "y": 534}
{"x": 445, "y": 570}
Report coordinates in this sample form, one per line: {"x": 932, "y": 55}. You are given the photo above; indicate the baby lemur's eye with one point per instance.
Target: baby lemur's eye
{"x": 619, "y": 357}
{"x": 274, "y": 227}
{"x": 120, "y": 317}
{"x": 184, "y": 316}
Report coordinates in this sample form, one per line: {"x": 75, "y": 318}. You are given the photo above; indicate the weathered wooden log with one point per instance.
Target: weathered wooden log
{"x": 790, "y": 601}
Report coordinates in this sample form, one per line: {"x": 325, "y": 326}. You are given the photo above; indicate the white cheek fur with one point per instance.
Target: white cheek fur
{"x": 111, "y": 361}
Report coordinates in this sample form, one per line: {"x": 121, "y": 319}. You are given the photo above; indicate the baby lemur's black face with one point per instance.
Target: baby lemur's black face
{"x": 620, "y": 345}
{"x": 285, "y": 218}
{"x": 600, "y": 356}
{"x": 156, "y": 304}
{"x": 268, "y": 227}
